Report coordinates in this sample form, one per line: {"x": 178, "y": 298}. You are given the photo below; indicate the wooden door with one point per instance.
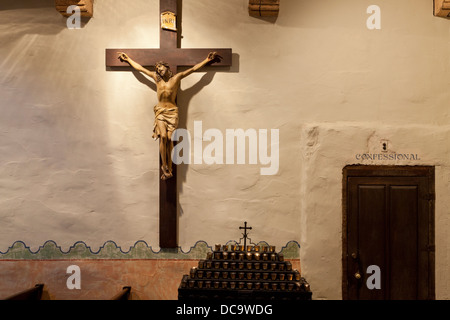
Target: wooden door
{"x": 388, "y": 223}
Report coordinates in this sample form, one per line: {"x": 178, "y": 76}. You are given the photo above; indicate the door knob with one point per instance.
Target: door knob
{"x": 358, "y": 275}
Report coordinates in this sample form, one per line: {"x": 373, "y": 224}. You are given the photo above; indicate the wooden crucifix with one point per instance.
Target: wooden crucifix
{"x": 175, "y": 57}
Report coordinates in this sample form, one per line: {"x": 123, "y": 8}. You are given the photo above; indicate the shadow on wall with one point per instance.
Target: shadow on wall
{"x": 26, "y": 4}
{"x": 32, "y": 17}
{"x": 321, "y": 14}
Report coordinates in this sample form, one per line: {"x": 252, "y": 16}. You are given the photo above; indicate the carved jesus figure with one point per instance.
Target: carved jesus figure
{"x": 166, "y": 111}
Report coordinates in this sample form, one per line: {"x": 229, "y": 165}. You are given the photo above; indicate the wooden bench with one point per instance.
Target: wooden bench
{"x": 34, "y": 293}
{"x": 123, "y": 295}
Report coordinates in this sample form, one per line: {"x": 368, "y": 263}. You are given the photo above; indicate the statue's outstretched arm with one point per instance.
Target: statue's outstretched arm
{"x": 124, "y": 57}
{"x": 212, "y": 56}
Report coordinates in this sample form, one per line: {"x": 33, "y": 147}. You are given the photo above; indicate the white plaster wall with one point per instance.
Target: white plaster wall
{"x": 77, "y": 162}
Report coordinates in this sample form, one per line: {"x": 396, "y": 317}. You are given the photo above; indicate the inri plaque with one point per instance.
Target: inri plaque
{"x": 169, "y": 21}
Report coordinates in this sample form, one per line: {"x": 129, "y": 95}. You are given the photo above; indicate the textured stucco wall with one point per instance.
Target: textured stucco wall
{"x": 322, "y": 169}
{"x": 77, "y": 162}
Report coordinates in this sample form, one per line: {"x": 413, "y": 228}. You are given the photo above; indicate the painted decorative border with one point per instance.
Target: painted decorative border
{"x": 110, "y": 250}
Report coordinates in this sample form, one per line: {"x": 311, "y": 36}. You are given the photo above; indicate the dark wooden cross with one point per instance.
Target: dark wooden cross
{"x": 245, "y": 234}
{"x": 176, "y": 57}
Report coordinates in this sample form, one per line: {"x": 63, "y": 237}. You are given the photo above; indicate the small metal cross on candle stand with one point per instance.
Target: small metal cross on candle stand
{"x": 245, "y": 228}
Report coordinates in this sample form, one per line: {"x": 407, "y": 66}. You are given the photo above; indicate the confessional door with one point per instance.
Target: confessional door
{"x": 388, "y": 237}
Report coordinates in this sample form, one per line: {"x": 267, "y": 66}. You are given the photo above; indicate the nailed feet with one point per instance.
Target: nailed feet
{"x": 167, "y": 174}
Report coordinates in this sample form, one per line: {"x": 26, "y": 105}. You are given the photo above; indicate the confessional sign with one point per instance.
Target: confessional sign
{"x": 169, "y": 21}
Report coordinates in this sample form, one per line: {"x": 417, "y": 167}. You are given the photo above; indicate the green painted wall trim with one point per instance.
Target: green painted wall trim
{"x": 141, "y": 250}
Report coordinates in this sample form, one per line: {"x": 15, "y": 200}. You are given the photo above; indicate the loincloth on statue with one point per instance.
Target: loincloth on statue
{"x": 168, "y": 116}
